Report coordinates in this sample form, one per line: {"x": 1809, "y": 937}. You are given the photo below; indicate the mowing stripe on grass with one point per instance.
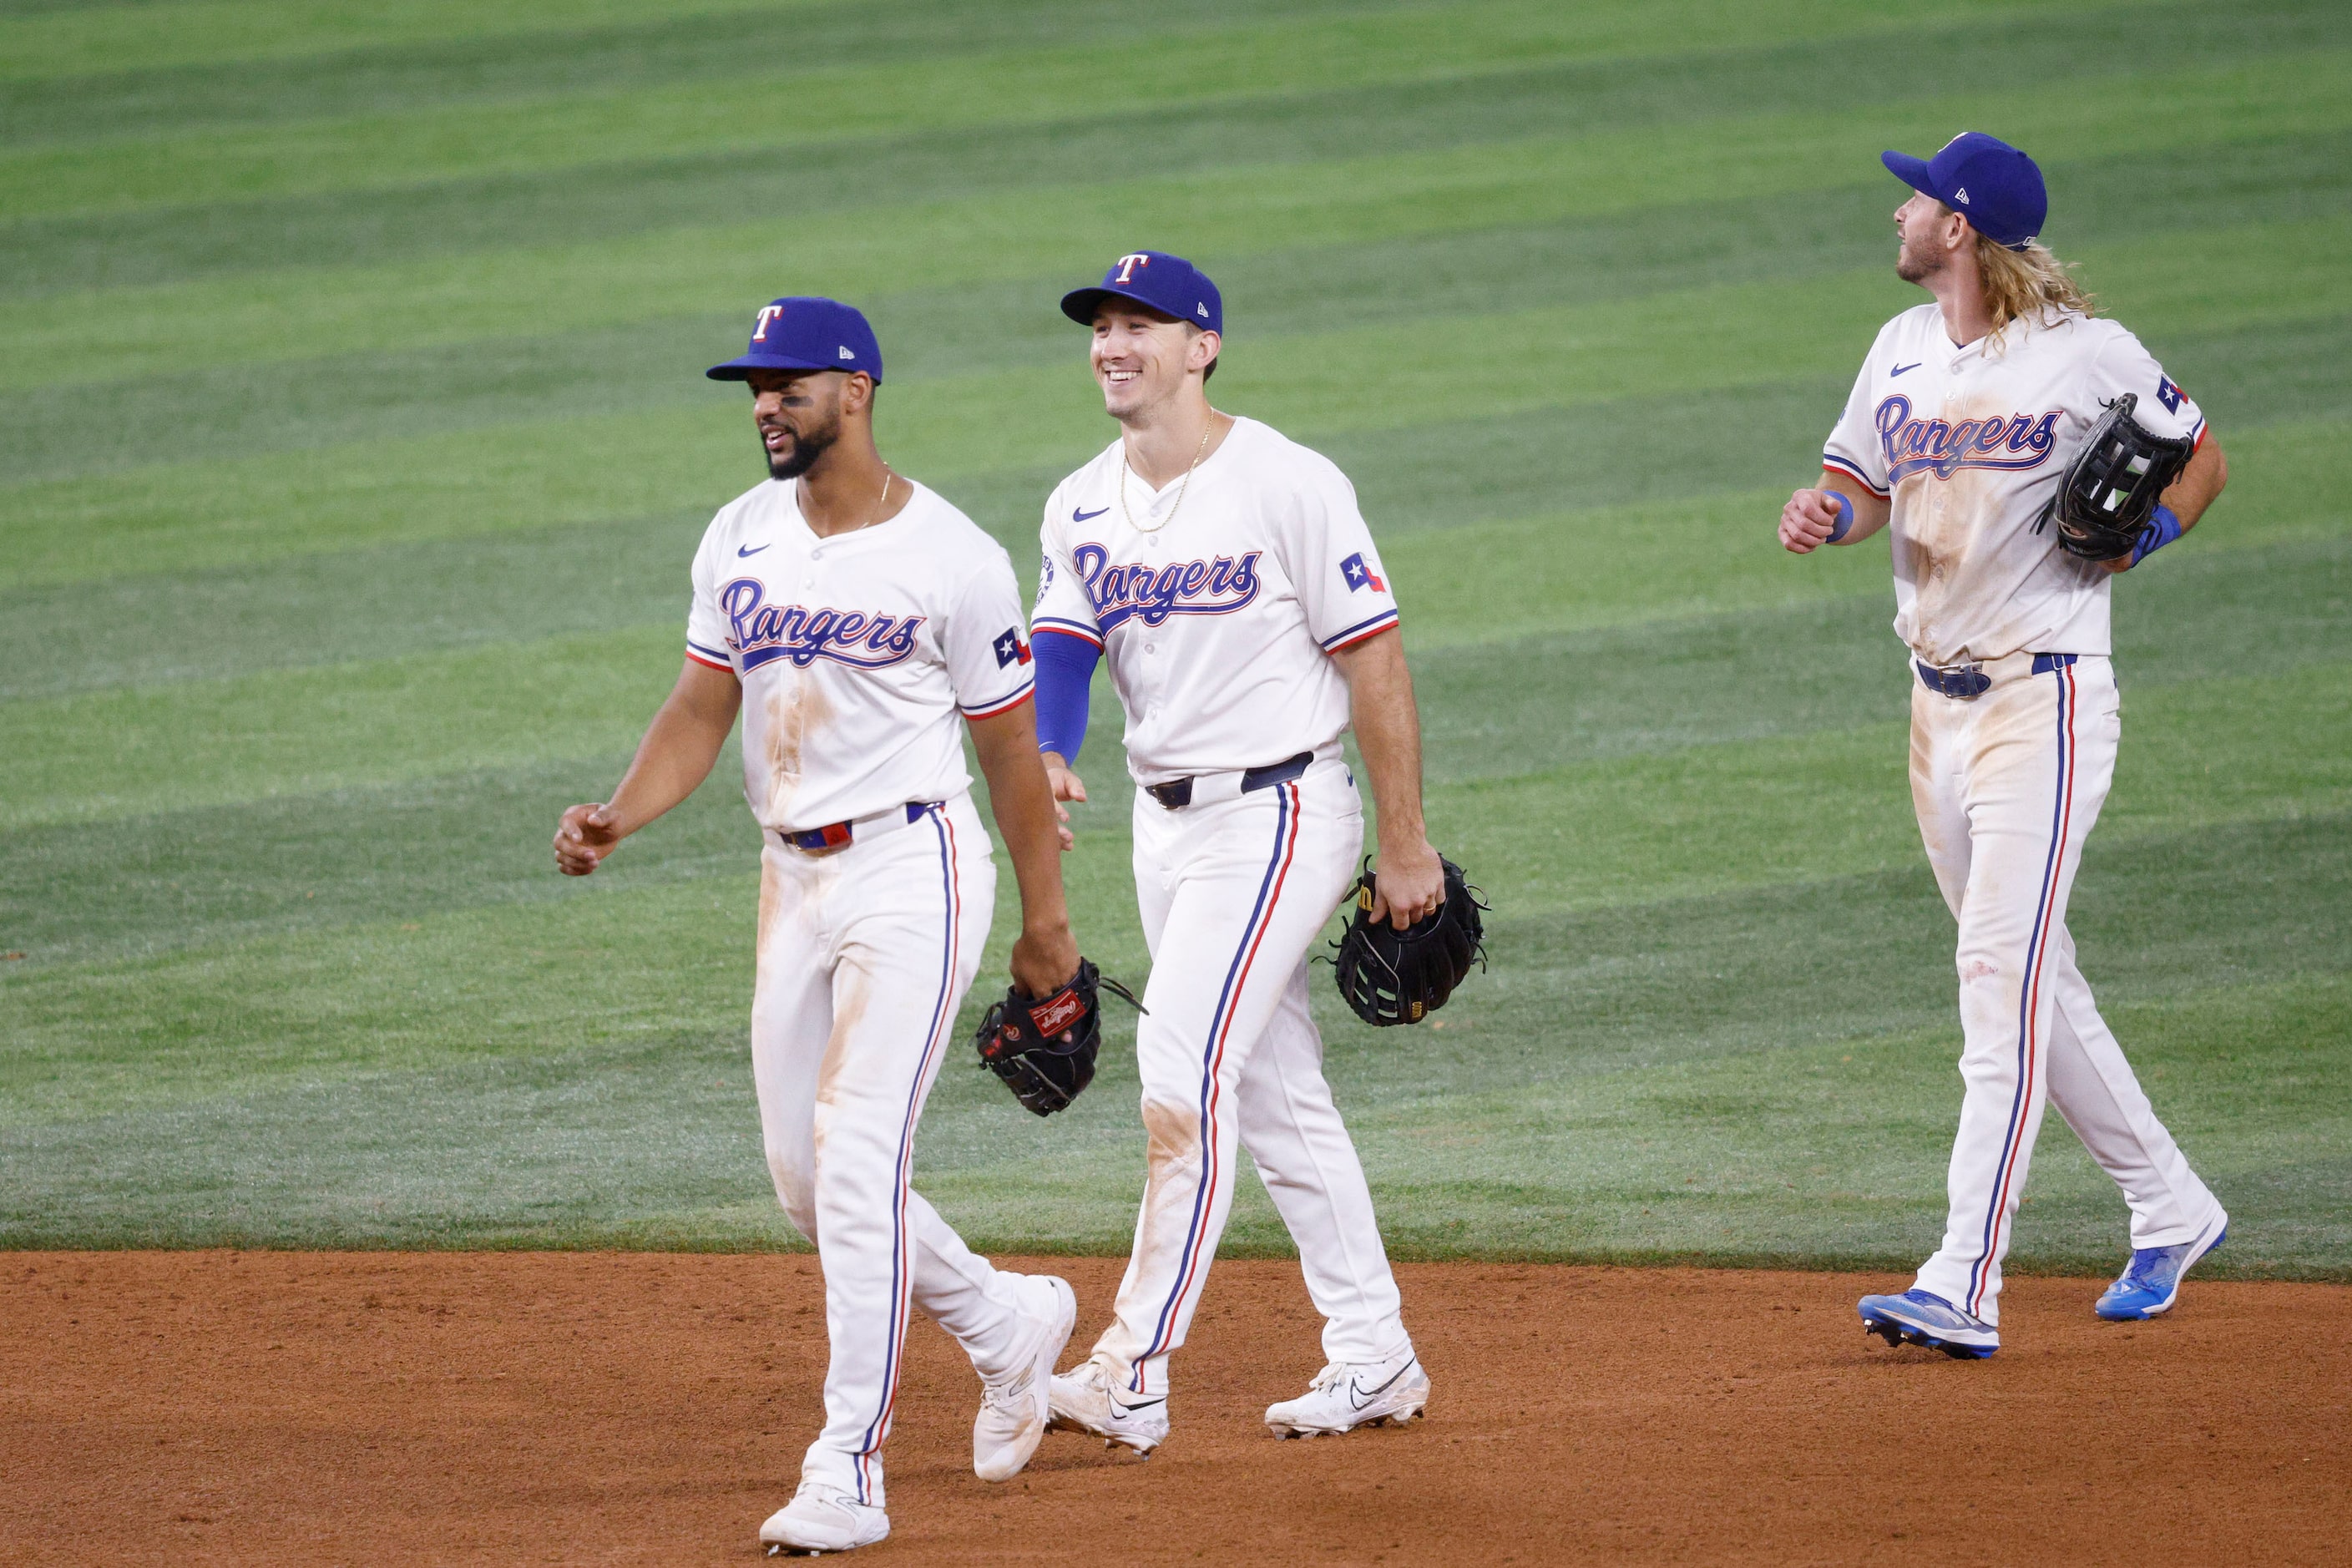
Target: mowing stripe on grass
{"x": 1837, "y": 802}
{"x": 325, "y": 727}
{"x": 105, "y": 40}
{"x": 1599, "y": 566}
{"x": 647, "y": 1136}
{"x": 152, "y": 247}
{"x": 235, "y": 410}
{"x": 1684, "y": 342}
{"x": 207, "y": 876}
{"x": 1057, "y": 233}
{"x": 813, "y": 103}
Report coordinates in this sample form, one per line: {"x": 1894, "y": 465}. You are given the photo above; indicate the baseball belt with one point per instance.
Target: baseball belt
{"x": 1178, "y": 793}
{"x": 1967, "y": 682}
{"x": 839, "y": 835}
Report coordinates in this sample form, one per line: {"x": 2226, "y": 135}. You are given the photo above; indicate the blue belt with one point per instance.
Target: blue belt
{"x": 1967, "y": 682}
{"x": 833, "y": 834}
{"x": 1177, "y": 793}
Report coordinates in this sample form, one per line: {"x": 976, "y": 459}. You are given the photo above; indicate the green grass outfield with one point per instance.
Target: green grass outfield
{"x": 353, "y": 445}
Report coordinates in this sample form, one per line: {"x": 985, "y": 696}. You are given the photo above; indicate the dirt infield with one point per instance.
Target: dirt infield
{"x": 597, "y": 1407}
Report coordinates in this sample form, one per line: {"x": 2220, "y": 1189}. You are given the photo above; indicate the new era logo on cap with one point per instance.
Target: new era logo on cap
{"x": 1962, "y": 195}
{"x": 848, "y": 353}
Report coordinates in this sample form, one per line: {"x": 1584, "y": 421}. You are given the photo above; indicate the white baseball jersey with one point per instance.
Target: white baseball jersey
{"x": 1970, "y": 443}
{"x": 858, "y": 654}
{"x": 1218, "y": 627}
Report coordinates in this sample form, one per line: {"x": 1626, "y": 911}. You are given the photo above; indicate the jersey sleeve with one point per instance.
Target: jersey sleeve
{"x": 984, "y": 642}
{"x": 706, "y": 624}
{"x": 2123, "y": 364}
{"x": 1062, "y": 602}
{"x": 1853, "y": 448}
{"x": 1328, "y": 549}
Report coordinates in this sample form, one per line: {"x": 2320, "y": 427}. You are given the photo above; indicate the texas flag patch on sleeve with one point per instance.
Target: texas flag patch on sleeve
{"x": 2169, "y": 393}
{"x": 1010, "y": 648}
{"x": 1359, "y": 575}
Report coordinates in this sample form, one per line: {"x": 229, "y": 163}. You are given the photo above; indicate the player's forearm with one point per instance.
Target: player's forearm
{"x": 1871, "y": 512}
{"x": 679, "y": 749}
{"x": 2199, "y": 484}
{"x": 1388, "y": 733}
{"x": 1023, "y": 804}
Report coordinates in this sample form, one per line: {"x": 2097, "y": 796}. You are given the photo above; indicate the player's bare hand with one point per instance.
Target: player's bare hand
{"x": 1407, "y": 884}
{"x": 585, "y": 836}
{"x": 1067, "y": 786}
{"x": 1044, "y": 958}
{"x": 1807, "y": 521}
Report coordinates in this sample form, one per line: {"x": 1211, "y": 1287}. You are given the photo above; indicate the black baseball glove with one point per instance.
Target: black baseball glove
{"x": 2111, "y": 488}
{"x": 1392, "y": 976}
{"x": 1044, "y": 1047}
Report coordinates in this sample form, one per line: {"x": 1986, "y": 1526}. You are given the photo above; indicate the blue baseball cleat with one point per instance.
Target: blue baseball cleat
{"x": 1917, "y": 1318}
{"x": 2150, "y": 1282}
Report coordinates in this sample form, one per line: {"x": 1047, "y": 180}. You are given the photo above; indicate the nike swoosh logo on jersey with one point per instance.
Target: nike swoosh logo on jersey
{"x": 1078, "y": 516}
{"x": 742, "y": 550}
{"x": 1899, "y": 369}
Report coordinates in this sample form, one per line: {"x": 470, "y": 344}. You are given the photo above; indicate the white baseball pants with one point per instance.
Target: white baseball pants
{"x": 1232, "y": 893}
{"x": 2006, "y": 788}
{"x": 864, "y": 953}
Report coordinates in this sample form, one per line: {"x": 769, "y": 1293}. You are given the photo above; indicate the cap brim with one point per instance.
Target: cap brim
{"x": 741, "y": 369}
{"x": 1912, "y": 171}
{"x": 1080, "y": 304}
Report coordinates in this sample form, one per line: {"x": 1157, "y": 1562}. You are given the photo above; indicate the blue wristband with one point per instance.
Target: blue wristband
{"x": 1845, "y": 515}
{"x": 2159, "y": 531}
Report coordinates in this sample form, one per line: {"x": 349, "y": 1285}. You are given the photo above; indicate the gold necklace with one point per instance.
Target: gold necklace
{"x": 880, "y": 501}
{"x": 1197, "y": 453}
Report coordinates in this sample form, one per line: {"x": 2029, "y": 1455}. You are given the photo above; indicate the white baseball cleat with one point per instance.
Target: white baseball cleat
{"x": 1082, "y": 1401}
{"x": 1015, "y": 1408}
{"x": 822, "y": 1518}
{"x": 1343, "y": 1398}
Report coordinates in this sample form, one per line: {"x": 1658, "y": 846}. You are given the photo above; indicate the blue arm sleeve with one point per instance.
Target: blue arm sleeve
{"x": 1066, "y": 667}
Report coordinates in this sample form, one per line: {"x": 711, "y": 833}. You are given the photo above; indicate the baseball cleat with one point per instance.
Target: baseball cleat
{"x": 1917, "y": 1318}
{"x": 1015, "y": 1408}
{"x": 822, "y": 1518}
{"x": 1343, "y": 1398}
{"x": 1082, "y": 1401}
{"x": 2150, "y": 1282}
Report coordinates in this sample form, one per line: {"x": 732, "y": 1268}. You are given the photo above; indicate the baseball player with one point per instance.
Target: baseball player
{"x": 1958, "y": 430}
{"x": 1230, "y": 578}
{"x": 863, "y": 627}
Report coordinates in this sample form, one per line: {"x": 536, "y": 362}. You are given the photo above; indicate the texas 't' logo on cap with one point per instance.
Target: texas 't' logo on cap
{"x": 1168, "y": 284}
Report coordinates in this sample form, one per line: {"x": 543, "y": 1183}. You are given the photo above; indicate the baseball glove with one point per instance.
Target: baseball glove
{"x": 1044, "y": 1047}
{"x": 1392, "y": 976}
{"x": 2112, "y": 486}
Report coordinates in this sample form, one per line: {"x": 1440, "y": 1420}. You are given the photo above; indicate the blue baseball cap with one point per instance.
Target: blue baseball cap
{"x": 1168, "y": 284}
{"x": 1984, "y": 179}
{"x": 802, "y": 332}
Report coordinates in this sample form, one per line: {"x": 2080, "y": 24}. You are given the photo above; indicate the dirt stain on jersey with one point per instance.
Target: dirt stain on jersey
{"x": 798, "y": 714}
{"x": 1945, "y": 523}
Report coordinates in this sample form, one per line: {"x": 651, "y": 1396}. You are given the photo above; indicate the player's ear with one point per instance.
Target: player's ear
{"x": 857, "y": 393}
{"x": 1205, "y": 346}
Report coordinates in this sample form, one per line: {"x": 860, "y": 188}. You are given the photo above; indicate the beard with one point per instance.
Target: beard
{"x": 1913, "y": 267}
{"x": 806, "y": 448}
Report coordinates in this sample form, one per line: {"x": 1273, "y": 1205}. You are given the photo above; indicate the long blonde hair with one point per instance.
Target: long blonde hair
{"x": 2028, "y": 285}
